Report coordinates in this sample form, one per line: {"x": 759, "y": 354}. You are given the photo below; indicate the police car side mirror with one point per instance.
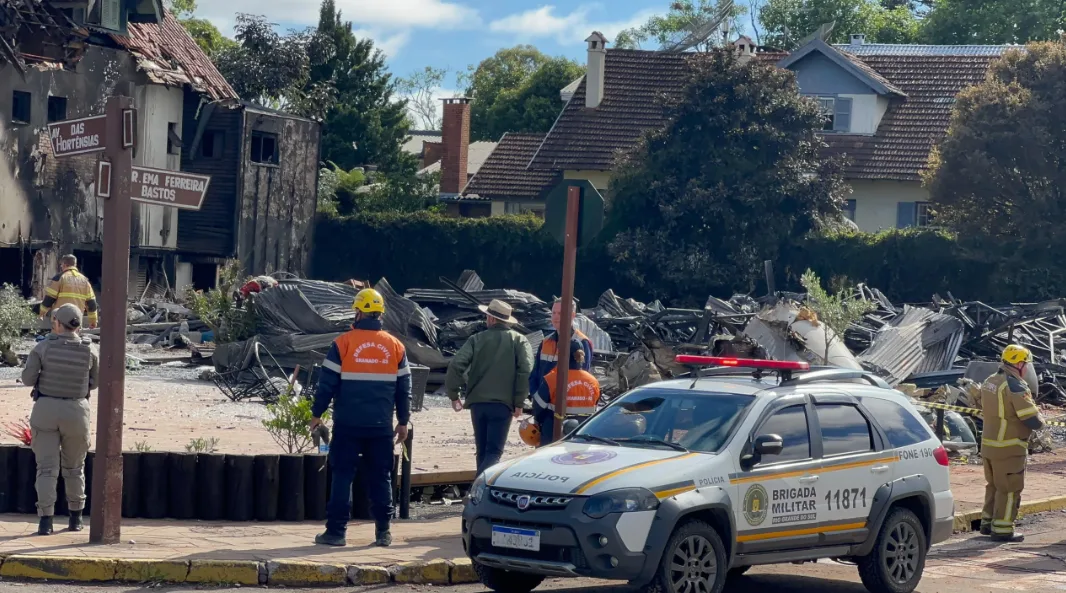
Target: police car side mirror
{"x": 769, "y": 444}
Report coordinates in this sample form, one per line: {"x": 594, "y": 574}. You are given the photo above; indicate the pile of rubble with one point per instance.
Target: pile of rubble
{"x": 937, "y": 352}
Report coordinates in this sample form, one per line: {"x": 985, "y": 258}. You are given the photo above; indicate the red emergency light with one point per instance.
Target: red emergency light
{"x": 751, "y": 363}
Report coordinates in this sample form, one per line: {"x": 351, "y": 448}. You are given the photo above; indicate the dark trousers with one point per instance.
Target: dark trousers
{"x": 492, "y": 422}
{"x": 546, "y": 424}
{"x": 376, "y": 466}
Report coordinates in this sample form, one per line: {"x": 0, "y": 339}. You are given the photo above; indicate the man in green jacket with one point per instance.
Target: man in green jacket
{"x": 494, "y": 366}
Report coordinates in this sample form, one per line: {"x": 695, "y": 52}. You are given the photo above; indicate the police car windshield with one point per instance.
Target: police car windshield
{"x": 695, "y": 420}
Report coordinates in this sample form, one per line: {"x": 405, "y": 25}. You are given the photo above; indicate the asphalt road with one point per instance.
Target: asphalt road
{"x": 965, "y": 564}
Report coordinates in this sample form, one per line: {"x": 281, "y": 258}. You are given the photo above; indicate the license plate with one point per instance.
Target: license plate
{"x": 516, "y": 539}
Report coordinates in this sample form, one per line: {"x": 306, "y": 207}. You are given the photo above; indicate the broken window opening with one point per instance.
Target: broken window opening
{"x": 211, "y": 144}
{"x": 57, "y": 109}
{"x": 173, "y": 140}
{"x": 264, "y": 148}
{"x": 20, "y": 107}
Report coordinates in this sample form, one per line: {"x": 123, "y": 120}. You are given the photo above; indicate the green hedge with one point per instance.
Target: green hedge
{"x": 415, "y": 250}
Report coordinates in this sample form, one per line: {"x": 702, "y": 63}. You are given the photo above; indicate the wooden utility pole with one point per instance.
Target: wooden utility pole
{"x": 105, "y": 523}
{"x": 573, "y": 213}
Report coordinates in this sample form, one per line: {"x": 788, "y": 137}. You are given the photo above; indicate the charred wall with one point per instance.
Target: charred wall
{"x": 278, "y": 193}
{"x": 45, "y": 201}
{"x": 212, "y": 230}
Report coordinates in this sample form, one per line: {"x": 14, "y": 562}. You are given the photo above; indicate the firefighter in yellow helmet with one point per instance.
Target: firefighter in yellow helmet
{"x": 1010, "y": 416}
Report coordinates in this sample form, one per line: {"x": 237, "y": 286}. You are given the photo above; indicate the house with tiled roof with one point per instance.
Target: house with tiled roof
{"x": 619, "y": 98}
{"x": 62, "y": 60}
{"x": 886, "y": 107}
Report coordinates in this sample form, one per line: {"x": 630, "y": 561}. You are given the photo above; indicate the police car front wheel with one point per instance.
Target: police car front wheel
{"x": 896, "y": 563}
{"x": 694, "y": 561}
{"x": 506, "y": 581}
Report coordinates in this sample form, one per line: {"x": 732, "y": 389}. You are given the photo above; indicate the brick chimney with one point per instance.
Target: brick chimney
{"x": 455, "y": 136}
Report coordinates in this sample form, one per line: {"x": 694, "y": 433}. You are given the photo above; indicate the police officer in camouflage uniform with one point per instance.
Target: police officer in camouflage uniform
{"x": 62, "y": 369}
{"x": 1010, "y": 417}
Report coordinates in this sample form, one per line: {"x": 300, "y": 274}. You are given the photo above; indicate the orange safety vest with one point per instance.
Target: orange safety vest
{"x": 582, "y": 392}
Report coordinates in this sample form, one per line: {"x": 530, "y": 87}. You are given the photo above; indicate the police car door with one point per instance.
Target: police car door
{"x": 854, "y": 466}
{"x": 777, "y": 496}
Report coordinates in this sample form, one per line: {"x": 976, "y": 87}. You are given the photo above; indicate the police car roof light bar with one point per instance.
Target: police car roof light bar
{"x": 785, "y": 367}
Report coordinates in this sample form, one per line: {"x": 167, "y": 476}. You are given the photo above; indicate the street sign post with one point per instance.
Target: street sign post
{"x": 168, "y": 188}
{"x": 78, "y": 136}
{"x": 120, "y": 183}
{"x": 574, "y": 215}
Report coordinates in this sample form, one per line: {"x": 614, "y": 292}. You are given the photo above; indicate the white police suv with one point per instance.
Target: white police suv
{"x": 676, "y": 485}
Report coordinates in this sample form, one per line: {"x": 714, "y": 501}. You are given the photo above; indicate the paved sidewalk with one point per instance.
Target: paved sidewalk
{"x": 203, "y": 540}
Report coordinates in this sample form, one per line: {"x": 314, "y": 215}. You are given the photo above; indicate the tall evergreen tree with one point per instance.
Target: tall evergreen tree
{"x": 365, "y": 125}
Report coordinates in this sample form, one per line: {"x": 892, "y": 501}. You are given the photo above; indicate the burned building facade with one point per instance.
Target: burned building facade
{"x": 62, "y": 60}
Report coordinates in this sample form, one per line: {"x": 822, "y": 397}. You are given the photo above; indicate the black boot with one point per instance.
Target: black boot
{"x": 382, "y": 538}
{"x": 75, "y": 523}
{"x": 45, "y": 526}
{"x": 327, "y": 538}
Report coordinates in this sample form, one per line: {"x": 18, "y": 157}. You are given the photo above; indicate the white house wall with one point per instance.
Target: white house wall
{"x": 157, "y": 106}
{"x": 866, "y": 112}
{"x": 876, "y": 202}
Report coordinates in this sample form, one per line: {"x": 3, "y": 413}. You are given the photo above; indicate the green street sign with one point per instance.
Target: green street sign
{"x": 590, "y": 220}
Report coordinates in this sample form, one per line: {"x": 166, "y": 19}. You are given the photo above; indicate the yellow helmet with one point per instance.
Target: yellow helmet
{"x": 369, "y": 301}
{"x": 1015, "y": 354}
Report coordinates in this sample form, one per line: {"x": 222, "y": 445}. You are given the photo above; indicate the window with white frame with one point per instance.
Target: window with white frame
{"x": 923, "y": 214}
{"x": 827, "y": 105}
{"x": 836, "y": 113}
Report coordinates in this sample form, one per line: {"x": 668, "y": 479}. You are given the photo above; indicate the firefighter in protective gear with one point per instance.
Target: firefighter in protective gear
{"x": 1010, "y": 417}
{"x": 70, "y": 286}
{"x": 582, "y": 393}
{"x": 366, "y": 378}
{"x": 530, "y": 432}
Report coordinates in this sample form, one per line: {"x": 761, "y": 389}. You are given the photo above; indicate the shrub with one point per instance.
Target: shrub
{"x": 289, "y": 423}
{"x": 202, "y": 445}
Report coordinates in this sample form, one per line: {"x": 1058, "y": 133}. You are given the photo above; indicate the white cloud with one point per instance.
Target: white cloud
{"x": 388, "y": 22}
{"x": 540, "y": 22}
{"x": 567, "y": 29}
{"x": 390, "y": 43}
{"x": 394, "y": 14}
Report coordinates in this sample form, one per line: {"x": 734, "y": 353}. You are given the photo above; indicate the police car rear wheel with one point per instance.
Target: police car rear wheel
{"x": 507, "y": 581}
{"x": 693, "y": 561}
{"x": 896, "y": 563}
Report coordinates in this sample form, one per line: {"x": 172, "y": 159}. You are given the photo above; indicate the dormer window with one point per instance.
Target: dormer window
{"x": 836, "y": 114}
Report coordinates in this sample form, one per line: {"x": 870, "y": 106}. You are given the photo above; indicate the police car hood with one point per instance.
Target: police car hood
{"x": 581, "y": 468}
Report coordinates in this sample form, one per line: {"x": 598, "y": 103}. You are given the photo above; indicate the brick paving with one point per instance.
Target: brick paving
{"x": 413, "y": 540}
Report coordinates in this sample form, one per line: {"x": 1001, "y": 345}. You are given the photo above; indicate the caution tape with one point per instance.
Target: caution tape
{"x": 976, "y": 412}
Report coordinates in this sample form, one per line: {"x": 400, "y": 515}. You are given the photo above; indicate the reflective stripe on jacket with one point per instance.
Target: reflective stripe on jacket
{"x": 582, "y": 392}
{"x": 547, "y": 357}
{"x": 70, "y": 286}
{"x": 365, "y": 376}
{"x": 1006, "y": 403}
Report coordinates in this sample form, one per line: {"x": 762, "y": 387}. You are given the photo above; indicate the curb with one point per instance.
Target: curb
{"x": 282, "y": 573}
{"x": 964, "y": 521}
{"x": 292, "y": 573}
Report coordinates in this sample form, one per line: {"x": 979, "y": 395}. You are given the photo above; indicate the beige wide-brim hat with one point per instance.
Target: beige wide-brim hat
{"x": 499, "y": 310}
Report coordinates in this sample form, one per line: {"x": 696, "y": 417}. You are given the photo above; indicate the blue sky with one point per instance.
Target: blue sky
{"x": 454, "y": 33}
